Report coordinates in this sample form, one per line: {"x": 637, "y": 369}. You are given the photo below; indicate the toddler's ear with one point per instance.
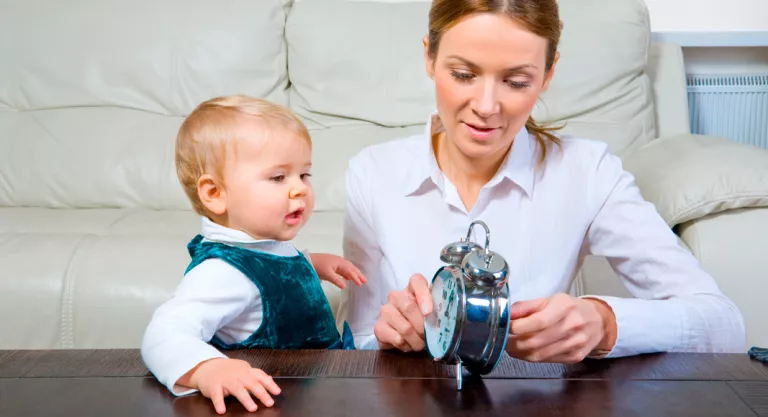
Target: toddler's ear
{"x": 213, "y": 197}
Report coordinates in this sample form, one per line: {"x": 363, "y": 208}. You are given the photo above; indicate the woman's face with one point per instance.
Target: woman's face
{"x": 488, "y": 73}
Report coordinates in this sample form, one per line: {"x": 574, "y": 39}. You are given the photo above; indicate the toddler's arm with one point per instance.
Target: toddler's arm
{"x": 176, "y": 339}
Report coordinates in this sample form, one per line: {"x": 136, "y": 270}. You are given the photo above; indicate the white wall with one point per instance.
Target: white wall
{"x": 726, "y": 60}
{"x": 698, "y": 15}
{"x": 708, "y": 15}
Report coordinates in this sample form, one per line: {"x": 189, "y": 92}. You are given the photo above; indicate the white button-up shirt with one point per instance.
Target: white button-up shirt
{"x": 402, "y": 210}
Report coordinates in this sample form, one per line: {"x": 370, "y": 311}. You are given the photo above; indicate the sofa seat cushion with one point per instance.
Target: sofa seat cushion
{"x": 93, "y": 278}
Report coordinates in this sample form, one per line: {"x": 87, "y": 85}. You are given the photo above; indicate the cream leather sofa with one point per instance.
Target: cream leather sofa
{"x": 93, "y": 224}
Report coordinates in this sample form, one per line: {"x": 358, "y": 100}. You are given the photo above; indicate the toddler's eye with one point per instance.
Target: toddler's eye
{"x": 305, "y": 176}
{"x": 277, "y": 178}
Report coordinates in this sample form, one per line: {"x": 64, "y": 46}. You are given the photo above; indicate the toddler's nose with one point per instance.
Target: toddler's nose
{"x": 298, "y": 191}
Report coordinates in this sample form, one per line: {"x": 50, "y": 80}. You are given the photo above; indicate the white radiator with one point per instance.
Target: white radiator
{"x": 730, "y": 106}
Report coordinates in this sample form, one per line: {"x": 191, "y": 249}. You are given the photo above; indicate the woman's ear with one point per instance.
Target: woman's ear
{"x": 551, "y": 73}
{"x": 213, "y": 197}
{"x": 428, "y": 61}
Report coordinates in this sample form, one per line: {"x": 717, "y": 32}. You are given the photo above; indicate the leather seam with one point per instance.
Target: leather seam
{"x": 67, "y": 333}
{"x": 686, "y": 211}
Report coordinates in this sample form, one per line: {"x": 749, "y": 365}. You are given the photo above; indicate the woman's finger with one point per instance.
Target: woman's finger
{"x": 562, "y": 349}
{"x": 525, "y": 308}
{"x": 411, "y": 335}
{"x": 405, "y": 305}
{"x": 552, "y": 312}
{"x": 419, "y": 287}
{"x": 387, "y": 335}
{"x": 535, "y": 341}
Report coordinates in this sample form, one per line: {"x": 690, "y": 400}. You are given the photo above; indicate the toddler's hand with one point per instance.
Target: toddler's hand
{"x": 220, "y": 377}
{"x": 336, "y": 270}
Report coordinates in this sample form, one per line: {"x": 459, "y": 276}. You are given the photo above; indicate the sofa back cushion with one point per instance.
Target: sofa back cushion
{"x": 357, "y": 62}
{"x": 92, "y": 93}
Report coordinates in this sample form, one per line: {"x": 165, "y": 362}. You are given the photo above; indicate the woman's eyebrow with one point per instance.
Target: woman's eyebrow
{"x": 472, "y": 65}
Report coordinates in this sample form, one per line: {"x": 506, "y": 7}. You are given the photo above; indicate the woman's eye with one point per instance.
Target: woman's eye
{"x": 462, "y": 76}
{"x": 518, "y": 84}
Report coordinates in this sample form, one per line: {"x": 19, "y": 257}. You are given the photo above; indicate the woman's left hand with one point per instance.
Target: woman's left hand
{"x": 561, "y": 329}
{"x": 336, "y": 270}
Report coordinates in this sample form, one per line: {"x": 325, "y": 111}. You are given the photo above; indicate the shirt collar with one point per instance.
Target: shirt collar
{"x": 217, "y": 233}
{"x": 518, "y": 166}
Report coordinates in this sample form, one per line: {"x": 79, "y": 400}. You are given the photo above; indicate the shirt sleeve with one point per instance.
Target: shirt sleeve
{"x": 678, "y": 306}
{"x": 360, "y": 305}
{"x": 176, "y": 340}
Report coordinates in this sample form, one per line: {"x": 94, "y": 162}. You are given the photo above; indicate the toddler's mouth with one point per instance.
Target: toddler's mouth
{"x": 294, "y": 217}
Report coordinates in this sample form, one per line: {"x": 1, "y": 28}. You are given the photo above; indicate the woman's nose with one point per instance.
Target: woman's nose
{"x": 486, "y": 101}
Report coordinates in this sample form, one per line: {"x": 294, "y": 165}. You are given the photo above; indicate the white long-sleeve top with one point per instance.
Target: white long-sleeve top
{"x": 402, "y": 210}
{"x": 214, "y": 298}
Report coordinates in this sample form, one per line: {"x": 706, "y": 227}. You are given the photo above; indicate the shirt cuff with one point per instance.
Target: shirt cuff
{"x": 186, "y": 363}
{"x": 368, "y": 343}
{"x": 642, "y": 326}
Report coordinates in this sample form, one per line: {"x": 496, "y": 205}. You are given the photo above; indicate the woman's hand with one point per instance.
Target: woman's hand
{"x": 401, "y": 320}
{"x": 336, "y": 270}
{"x": 560, "y": 329}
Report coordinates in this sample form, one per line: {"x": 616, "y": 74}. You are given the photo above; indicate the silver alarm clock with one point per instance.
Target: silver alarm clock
{"x": 469, "y": 324}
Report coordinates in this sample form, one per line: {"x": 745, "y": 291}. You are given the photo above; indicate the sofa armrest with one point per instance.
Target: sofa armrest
{"x": 691, "y": 176}
{"x": 731, "y": 247}
{"x": 666, "y": 70}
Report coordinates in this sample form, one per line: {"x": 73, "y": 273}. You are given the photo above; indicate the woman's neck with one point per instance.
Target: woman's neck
{"x": 468, "y": 175}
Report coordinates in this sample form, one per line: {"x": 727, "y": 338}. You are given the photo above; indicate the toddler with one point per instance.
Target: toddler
{"x": 245, "y": 165}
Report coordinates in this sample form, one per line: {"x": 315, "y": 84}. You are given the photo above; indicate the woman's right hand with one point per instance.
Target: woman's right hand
{"x": 401, "y": 320}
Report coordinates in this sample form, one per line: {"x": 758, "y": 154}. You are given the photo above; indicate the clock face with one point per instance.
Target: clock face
{"x": 440, "y": 325}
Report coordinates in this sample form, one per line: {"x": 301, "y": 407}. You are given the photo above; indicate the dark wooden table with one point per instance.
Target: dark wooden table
{"x": 371, "y": 384}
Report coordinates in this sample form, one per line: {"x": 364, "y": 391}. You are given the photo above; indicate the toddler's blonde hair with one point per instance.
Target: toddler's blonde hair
{"x": 209, "y": 132}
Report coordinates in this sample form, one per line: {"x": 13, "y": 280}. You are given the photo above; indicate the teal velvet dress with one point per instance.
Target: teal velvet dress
{"x": 296, "y": 313}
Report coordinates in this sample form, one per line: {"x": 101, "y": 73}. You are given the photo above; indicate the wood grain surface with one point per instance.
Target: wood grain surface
{"x": 371, "y": 364}
{"x": 371, "y": 384}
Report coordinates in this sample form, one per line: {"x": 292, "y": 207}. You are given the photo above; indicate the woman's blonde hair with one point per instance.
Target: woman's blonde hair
{"x": 209, "y": 132}
{"x": 540, "y": 17}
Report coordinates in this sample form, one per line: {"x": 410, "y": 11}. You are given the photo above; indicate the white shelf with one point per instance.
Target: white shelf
{"x": 714, "y": 39}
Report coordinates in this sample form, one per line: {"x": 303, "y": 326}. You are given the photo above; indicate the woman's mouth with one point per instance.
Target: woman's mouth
{"x": 479, "y": 132}
{"x": 293, "y": 218}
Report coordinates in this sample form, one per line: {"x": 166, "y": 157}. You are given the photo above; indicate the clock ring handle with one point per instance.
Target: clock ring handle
{"x": 487, "y": 233}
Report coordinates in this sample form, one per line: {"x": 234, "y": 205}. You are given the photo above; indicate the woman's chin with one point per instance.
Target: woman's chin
{"x": 479, "y": 149}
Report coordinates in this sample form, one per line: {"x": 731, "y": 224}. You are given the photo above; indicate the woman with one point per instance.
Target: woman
{"x": 548, "y": 200}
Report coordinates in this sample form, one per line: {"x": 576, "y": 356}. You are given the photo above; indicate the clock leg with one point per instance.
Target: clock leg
{"x": 459, "y": 375}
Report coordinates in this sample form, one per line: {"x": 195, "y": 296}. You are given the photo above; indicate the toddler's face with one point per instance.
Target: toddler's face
{"x": 269, "y": 193}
